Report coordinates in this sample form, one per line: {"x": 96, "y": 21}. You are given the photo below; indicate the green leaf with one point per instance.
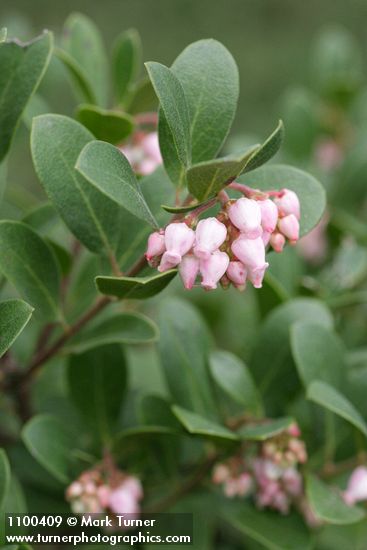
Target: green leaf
{"x": 196, "y": 424}
{"x": 183, "y": 209}
{"x": 126, "y": 61}
{"x": 318, "y": 353}
{"x": 268, "y": 149}
{"x": 261, "y": 432}
{"x": 22, "y": 69}
{"x": 209, "y": 77}
{"x": 3, "y": 34}
{"x": 56, "y": 142}
{"x": 83, "y": 42}
{"x": 4, "y": 476}
{"x": 121, "y": 328}
{"x": 3, "y": 178}
{"x": 77, "y": 74}
{"x": 328, "y": 397}
{"x": 97, "y": 381}
{"x": 111, "y": 126}
{"x": 328, "y": 505}
{"x": 174, "y": 122}
{"x": 142, "y": 97}
{"x": 30, "y": 265}
{"x": 137, "y": 288}
{"x": 108, "y": 170}
{"x": 48, "y": 442}
{"x": 206, "y": 179}
{"x": 271, "y": 362}
{"x": 310, "y": 192}
{"x": 184, "y": 345}
{"x": 156, "y": 411}
{"x": 14, "y": 315}
{"x": 272, "y": 531}
{"x": 233, "y": 376}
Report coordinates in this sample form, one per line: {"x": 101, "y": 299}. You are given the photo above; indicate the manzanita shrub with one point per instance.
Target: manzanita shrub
{"x": 120, "y": 391}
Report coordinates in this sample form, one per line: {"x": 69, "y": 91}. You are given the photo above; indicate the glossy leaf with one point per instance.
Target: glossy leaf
{"x": 137, "y": 288}
{"x": 111, "y": 126}
{"x": 261, "y": 432}
{"x": 108, "y": 170}
{"x": 196, "y": 424}
{"x": 126, "y": 62}
{"x": 233, "y": 376}
{"x": 206, "y": 179}
{"x": 120, "y": 328}
{"x": 4, "y": 476}
{"x": 30, "y": 265}
{"x": 97, "y": 382}
{"x": 56, "y": 142}
{"x": 328, "y": 505}
{"x": 271, "y": 531}
{"x": 22, "y": 69}
{"x": 83, "y": 42}
{"x": 328, "y": 397}
{"x": 14, "y": 315}
{"x": 310, "y": 192}
{"x": 318, "y": 353}
{"x": 174, "y": 122}
{"x": 209, "y": 77}
{"x": 142, "y": 97}
{"x": 50, "y": 444}
{"x": 184, "y": 345}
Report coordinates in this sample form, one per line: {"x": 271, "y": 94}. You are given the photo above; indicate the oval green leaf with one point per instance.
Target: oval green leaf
{"x": 30, "y": 265}
{"x": 22, "y": 69}
{"x": 328, "y": 397}
{"x": 109, "y": 171}
{"x": 56, "y": 142}
{"x": 209, "y": 77}
{"x": 137, "y": 288}
{"x": 49, "y": 443}
{"x": 196, "y": 424}
{"x": 261, "y": 432}
{"x": 111, "y": 126}
{"x": 126, "y": 59}
{"x": 328, "y": 505}
{"x": 121, "y": 328}
{"x": 232, "y": 375}
{"x": 14, "y": 315}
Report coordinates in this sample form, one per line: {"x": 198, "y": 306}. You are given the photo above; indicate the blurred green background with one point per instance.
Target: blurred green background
{"x": 270, "y": 39}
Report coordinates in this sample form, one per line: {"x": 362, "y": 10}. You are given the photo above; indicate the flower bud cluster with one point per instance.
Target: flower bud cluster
{"x": 269, "y": 474}
{"x": 143, "y": 152}
{"x": 98, "y": 491}
{"x": 230, "y": 248}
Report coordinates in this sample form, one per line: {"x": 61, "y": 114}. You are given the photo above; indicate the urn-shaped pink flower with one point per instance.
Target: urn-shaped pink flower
{"x": 357, "y": 486}
{"x": 289, "y": 226}
{"x": 237, "y": 274}
{"x": 213, "y": 268}
{"x": 125, "y": 498}
{"x": 188, "y": 269}
{"x": 245, "y": 214}
{"x": 269, "y": 215}
{"x": 277, "y": 241}
{"x": 251, "y": 252}
{"x": 288, "y": 204}
{"x": 156, "y": 245}
{"x": 210, "y": 234}
{"x": 178, "y": 239}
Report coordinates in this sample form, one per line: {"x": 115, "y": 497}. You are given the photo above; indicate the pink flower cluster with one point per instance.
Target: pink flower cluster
{"x": 231, "y": 247}
{"x": 143, "y": 152}
{"x": 97, "y": 492}
{"x": 269, "y": 474}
